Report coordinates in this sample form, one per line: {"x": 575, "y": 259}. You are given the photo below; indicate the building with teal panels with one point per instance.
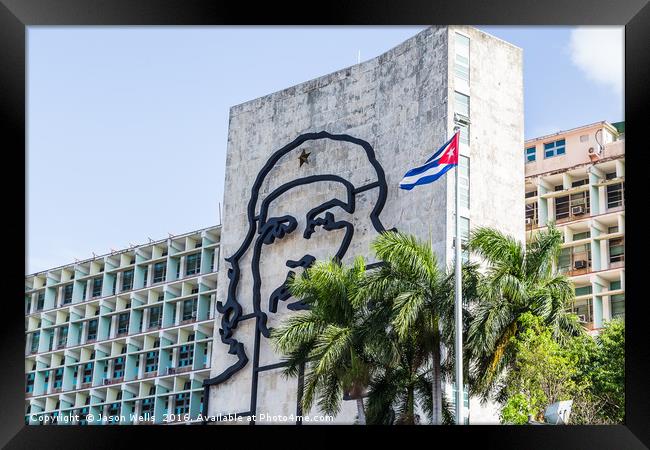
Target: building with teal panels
{"x": 576, "y": 179}
{"x": 125, "y": 337}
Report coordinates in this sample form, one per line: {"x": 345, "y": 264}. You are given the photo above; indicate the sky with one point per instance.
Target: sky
{"x": 127, "y": 126}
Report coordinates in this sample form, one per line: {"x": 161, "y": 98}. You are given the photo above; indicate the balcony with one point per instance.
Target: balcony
{"x": 109, "y": 381}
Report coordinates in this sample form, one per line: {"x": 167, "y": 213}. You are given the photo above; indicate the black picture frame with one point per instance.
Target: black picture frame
{"x": 16, "y": 15}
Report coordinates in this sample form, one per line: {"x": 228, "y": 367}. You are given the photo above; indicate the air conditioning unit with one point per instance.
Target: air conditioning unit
{"x": 170, "y": 370}
{"x": 581, "y": 264}
{"x": 582, "y": 318}
{"x": 106, "y": 381}
{"x": 577, "y": 210}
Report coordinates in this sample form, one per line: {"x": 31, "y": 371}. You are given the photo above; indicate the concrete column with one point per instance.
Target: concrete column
{"x": 594, "y": 194}
{"x": 597, "y": 304}
{"x": 542, "y": 206}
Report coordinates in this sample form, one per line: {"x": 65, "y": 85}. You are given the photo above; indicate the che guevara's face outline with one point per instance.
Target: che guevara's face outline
{"x": 264, "y": 230}
{"x": 274, "y": 229}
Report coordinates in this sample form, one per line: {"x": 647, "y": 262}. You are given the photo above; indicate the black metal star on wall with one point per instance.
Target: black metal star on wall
{"x": 304, "y": 157}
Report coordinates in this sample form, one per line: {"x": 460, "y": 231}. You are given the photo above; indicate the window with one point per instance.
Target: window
{"x": 127, "y": 280}
{"x": 185, "y": 355}
{"x": 189, "y": 309}
{"x": 118, "y": 367}
{"x": 616, "y": 250}
{"x": 461, "y": 66}
{"x": 182, "y": 403}
{"x": 92, "y": 330}
{"x": 192, "y": 264}
{"x": 58, "y": 378}
{"x": 562, "y": 207}
{"x": 531, "y": 194}
{"x": 147, "y": 408}
{"x": 615, "y": 195}
{"x": 145, "y": 275}
{"x": 531, "y": 213}
{"x": 159, "y": 272}
{"x": 97, "y": 287}
{"x": 530, "y": 154}
{"x": 610, "y": 175}
{"x": 555, "y": 148}
{"x": 36, "y": 336}
{"x": 571, "y": 206}
{"x": 151, "y": 362}
{"x": 617, "y": 302}
{"x": 613, "y": 229}
{"x": 154, "y": 317}
{"x": 579, "y": 182}
{"x": 40, "y": 303}
{"x": 576, "y": 258}
{"x": 123, "y": 323}
{"x": 63, "y": 336}
{"x": 113, "y": 410}
{"x": 583, "y": 235}
{"x": 463, "y": 170}
{"x": 461, "y": 107}
{"x": 83, "y": 414}
{"x": 583, "y": 309}
{"x": 29, "y": 383}
{"x": 584, "y": 290}
{"x": 461, "y": 104}
{"x": 67, "y": 294}
{"x": 87, "y": 373}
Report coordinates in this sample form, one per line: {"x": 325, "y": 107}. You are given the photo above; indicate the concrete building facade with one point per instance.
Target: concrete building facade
{"x": 151, "y": 332}
{"x": 312, "y": 172}
{"x": 124, "y": 337}
{"x": 576, "y": 179}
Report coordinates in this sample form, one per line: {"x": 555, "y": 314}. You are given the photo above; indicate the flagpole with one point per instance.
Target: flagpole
{"x": 459, "y": 305}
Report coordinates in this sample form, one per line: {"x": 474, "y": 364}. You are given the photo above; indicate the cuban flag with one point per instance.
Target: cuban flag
{"x": 435, "y": 167}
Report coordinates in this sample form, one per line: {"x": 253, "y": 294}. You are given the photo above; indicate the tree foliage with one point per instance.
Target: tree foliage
{"x": 589, "y": 371}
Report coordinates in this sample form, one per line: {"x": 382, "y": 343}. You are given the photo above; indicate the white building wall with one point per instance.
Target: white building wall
{"x": 399, "y": 103}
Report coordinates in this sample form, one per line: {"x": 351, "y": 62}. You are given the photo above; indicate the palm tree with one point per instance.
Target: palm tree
{"x": 332, "y": 338}
{"x": 419, "y": 296}
{"x": 518, "y": 280}
{"x": 399, "y": 390}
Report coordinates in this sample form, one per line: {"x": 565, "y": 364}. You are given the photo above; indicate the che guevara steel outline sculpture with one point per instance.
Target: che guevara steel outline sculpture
{"x": 268, "y": 230}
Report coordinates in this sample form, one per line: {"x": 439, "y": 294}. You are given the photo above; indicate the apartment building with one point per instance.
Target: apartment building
{"x": 576, "y": 178}
{"x": 125, "y": 335}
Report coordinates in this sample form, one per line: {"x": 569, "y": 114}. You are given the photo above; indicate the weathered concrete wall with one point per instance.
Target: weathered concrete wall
{"x": 495, "y": 149}
{"x": 398, "y": 103}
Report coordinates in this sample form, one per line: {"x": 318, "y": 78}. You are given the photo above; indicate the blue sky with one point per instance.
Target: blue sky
{"x": 127, "y": 126}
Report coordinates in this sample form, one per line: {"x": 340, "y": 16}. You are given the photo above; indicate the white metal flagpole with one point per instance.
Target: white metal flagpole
{"x": 459, "y": 306}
